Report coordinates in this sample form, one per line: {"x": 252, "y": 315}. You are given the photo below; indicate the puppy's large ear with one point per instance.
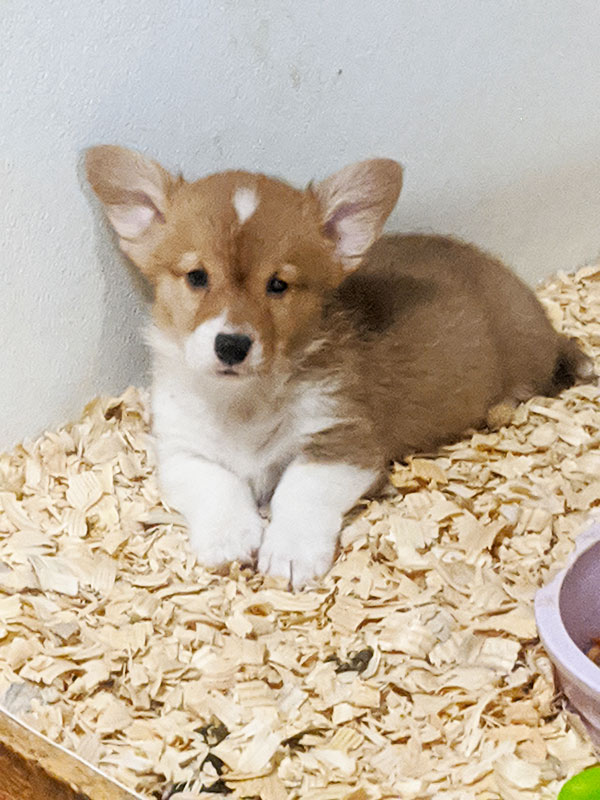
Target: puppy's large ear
{"x": 355, "y": 203}
{"x": 135, "y": 194}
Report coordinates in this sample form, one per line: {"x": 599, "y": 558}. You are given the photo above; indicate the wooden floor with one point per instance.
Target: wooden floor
{"x": 21, "y": 779}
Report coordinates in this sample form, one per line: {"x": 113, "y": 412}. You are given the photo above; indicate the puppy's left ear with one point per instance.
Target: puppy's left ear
{"x": 355, "y": 203}
{"x": 135, "y": 193}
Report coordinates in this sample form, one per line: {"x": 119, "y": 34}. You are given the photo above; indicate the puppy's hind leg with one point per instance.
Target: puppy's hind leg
{"x": 501, "y": 413}
{"x": 572, "y": 366}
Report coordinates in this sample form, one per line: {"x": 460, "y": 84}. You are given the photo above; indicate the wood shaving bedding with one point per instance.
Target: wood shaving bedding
{"x": 412, "y": 670}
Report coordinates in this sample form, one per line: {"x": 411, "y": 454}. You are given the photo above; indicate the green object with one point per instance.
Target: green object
{"x": 585, "y": 786}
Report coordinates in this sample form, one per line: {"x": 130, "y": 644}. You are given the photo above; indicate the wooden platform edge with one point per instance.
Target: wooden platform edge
{"x": 20, "y": 742}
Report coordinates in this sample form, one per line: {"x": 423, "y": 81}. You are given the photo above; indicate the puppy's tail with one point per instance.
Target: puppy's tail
{"x": 572, "y": 366}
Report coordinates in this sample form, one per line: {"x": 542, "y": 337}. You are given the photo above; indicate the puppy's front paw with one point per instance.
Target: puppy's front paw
{"x": 288, "y": 552}
{"x": 228, "y": 534}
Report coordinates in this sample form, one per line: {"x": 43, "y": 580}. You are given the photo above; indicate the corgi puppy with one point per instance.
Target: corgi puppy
{"x": 295, "y": 353}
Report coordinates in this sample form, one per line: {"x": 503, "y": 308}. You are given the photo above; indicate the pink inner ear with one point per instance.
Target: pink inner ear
{"x": 351, "y": 227}
{"x": 330, "y": 229}
{"x": 131, "y": 219}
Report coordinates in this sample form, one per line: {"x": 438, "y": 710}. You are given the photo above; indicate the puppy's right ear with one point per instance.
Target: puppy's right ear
{"x": 355, "y": 203}
{"x": 135, "y": 194}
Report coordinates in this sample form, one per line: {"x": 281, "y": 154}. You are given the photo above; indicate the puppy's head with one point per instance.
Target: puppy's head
{"x": 241, "y": 263}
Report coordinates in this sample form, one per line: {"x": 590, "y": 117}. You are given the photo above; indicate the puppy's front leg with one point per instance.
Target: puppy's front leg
{"x": 223, "y": 521}
{"x": 306, "y": 512}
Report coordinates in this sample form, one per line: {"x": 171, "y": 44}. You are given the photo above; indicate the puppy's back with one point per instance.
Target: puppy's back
{"x": 452, "y": 332}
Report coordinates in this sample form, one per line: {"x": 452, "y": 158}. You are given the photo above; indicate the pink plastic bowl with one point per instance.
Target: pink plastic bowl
{"x": 567, "y": 613}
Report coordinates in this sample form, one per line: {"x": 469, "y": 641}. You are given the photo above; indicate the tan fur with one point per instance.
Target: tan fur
{"x": 420, "y": 342}
{"x": 436, "y": 334}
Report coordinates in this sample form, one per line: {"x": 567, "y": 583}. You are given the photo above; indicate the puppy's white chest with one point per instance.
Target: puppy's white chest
{"x": 257, "y": 449}
{"x": 255, "y": 439}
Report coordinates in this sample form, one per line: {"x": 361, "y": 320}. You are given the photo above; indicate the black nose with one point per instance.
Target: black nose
{"x": 232, "y": 348}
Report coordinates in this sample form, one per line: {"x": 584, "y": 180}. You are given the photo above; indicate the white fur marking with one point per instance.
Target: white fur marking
{"x": 245, "y": 203}
{"x": 225, "y": 445}
{"x": 196, "y": 410}
{"x": 223, "y": 521}
{"x": 188, "y": 261}
{"x": 316, "y": 408}
{"x": 199, "y": 347}
{"x": 307, "y": 510}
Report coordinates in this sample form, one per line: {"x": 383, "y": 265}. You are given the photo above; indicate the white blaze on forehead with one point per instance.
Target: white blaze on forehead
{"x": 189, "y": 260}
{"x": 245, "y": 203}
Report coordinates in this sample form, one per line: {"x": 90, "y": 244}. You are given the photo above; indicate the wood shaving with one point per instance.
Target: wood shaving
{"x": 412, "y": 670}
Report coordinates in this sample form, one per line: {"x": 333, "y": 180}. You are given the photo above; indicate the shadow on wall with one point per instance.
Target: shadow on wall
{"x": 127, "y": 297}
{"x": 540, "y": 223}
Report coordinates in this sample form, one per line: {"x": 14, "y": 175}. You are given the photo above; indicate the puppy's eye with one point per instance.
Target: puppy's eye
{"x": 275, "y": 285}
{"x": 197, "y": 278}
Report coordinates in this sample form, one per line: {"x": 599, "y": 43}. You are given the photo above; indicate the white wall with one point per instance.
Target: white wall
{"x": 492, "y": 106}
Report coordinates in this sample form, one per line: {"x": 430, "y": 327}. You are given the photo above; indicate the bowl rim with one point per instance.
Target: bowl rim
{"x": 554, "y": 636}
